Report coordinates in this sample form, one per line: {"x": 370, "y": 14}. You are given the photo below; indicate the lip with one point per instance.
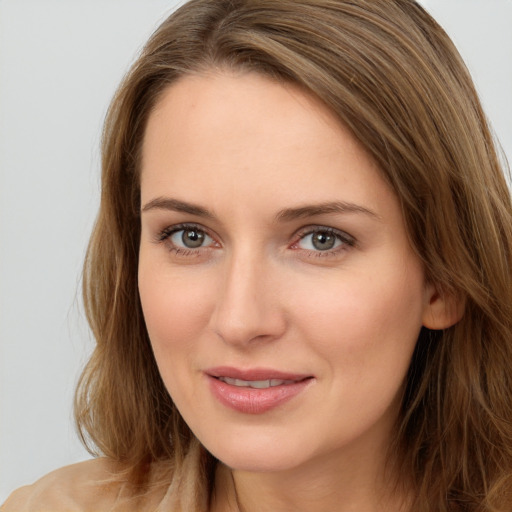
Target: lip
{"x": 251, "y": 400}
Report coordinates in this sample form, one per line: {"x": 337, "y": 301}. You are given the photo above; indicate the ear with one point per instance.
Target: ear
{"x": 442, "y": 309}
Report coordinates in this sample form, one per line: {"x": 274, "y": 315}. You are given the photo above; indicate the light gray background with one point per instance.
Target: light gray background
{"x": 60, "y": 61}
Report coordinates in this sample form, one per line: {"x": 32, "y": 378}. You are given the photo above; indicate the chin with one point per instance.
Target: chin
{"x": 266, "y": 456}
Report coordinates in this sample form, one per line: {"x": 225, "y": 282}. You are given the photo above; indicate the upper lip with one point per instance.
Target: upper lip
{"x": 254, "y": 374}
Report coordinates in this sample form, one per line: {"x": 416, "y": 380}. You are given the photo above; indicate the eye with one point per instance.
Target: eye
{"x": 190, "y": 238}
{"x": 185, "y": 239}
{"x": 322, "y": 239}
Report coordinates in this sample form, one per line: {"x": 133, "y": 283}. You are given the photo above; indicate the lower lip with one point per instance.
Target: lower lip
{"x": 255, "y": 401}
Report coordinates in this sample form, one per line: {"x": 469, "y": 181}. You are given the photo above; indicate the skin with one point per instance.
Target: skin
{"x": 258, "y": 293}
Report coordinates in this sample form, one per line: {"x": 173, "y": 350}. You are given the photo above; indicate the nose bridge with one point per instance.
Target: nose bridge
{"x": 247, "y": 306}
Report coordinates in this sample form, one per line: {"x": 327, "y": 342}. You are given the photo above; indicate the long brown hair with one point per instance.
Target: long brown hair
{"x": 392, "y": 75}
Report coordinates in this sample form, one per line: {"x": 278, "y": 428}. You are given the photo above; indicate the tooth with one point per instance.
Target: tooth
{"x": 259, "y": 384}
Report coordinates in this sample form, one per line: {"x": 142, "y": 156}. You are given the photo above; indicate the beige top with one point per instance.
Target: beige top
{"x": 85, "y": 487}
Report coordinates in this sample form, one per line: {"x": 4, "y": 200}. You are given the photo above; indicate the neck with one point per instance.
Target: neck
{"x": 320, "y": 486}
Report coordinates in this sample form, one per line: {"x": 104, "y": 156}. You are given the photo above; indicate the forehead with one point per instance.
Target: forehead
{"x": 240, "y": 105}
{"x": 222, "y": 133}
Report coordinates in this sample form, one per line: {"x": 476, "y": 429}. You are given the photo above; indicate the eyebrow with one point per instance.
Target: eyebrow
{"x": 289, "y": 214}
{"x": 285, "y": 215}
{"x": 167, "y": 203}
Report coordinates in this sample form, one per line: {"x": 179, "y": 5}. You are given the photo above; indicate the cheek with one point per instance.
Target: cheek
{"x": 367, "y": 320}
{"x": 176, "y": 308}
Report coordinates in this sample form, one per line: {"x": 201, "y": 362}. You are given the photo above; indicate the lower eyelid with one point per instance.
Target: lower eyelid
{"x": 182, "y": 251}
{"x": 338, "y": 240}
{"x": 208, "y": 240}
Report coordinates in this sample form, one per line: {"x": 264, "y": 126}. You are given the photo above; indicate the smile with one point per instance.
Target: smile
{"x": 255, "y": 391}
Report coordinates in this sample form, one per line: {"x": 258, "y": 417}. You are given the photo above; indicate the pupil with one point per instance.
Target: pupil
{"x": 323, "y": 241}
{"x": 192, "y": 238}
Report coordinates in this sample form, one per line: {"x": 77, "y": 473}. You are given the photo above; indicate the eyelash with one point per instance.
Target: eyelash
{"x": 165, "y": 235}
{"x": 346, "y": 240}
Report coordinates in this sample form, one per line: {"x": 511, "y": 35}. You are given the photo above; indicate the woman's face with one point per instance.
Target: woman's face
{"x": 281, "y": 296}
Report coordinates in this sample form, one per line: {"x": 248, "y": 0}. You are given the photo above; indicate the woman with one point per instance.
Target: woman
{"x": 299, "y": 280}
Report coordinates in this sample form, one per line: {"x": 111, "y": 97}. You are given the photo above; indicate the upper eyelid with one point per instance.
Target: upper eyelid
{"x": 315, "y": 228}
{"x": 166, "y": 233}
{"x": 184, "y": 225}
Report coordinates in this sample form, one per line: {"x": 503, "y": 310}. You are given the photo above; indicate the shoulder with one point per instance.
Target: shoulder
{"x": 90, "y": 486}
{"x": 79, "y": 487}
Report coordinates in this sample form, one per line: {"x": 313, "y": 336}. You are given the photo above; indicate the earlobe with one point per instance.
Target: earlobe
{"x": 442, "y": 309}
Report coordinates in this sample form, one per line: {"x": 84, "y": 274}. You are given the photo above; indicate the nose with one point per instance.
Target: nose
{"x": 248, "y": 307}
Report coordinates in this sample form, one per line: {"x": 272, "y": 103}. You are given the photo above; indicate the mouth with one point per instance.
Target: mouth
{"x": 255, "y": 391}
